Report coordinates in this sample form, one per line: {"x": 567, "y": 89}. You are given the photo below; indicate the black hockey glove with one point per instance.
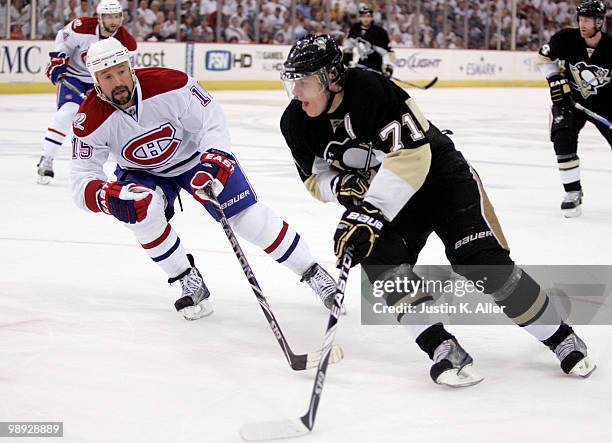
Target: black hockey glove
{"x": 387, "y": 71}
{"x": 359, "y": 227}
{"x": 350, "y": 188}
{"x": 560, "y": 91}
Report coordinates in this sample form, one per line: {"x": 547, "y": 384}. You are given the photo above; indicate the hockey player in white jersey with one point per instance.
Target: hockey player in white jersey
{"x": 167, "y": 133}
{"x": 67, "y": 63}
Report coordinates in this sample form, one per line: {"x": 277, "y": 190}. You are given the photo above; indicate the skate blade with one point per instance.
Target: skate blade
{"x": 454, "y": 378}
{"x": 43, "y": 180}
{"x": 584, "y": 368}
{"x": 572, "y": 213}
{"x": 202, "y": 309}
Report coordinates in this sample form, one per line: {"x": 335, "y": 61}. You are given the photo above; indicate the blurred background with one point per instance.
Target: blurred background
{"x": 468, "y": 24}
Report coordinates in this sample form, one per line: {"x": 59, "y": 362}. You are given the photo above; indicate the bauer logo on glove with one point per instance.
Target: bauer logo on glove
{"x": 359, "y": 228}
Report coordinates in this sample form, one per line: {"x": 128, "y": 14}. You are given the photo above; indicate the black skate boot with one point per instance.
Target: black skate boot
{"x": 45, "y": 170}
{"x": 453, "y": 366}
{"x": 571, "y": 206}
{"x": 571, "y": 352}
{"x": 194, "y": 303}
{"x": 323, "y": 284}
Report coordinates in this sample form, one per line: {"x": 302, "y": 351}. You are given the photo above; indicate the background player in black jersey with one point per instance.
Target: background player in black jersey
{"x": 367, "y": 44}
{"x": 578, "y": 66}
{"x": 360, "y": 140}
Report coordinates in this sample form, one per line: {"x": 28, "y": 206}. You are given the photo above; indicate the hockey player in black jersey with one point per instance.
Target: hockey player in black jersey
{"x": 360, "y": 140}
{"x": 367, "y": 44}
{"x": 578, "y": 66}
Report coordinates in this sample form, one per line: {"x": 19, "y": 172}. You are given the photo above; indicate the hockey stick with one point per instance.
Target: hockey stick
{"x": 593, "y": 115}
{"x": 296, "y": 427}
{"x": 73, "y": 88}
{"x": 414, "y": 85}
{"x": 298, "y": 362}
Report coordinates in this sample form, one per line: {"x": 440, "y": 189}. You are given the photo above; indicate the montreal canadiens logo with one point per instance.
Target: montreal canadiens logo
{"x": 153, "y": 148}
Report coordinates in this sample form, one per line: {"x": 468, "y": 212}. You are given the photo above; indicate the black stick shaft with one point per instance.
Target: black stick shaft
{"x": 309, "y": 418}
{"x": 73, "y": 88}
{"x": 248, "y": 272}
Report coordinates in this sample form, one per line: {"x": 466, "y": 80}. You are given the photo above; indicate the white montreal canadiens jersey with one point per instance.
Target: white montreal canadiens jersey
{"x": 76, "y": 37}
{"x": 175, "y": 120}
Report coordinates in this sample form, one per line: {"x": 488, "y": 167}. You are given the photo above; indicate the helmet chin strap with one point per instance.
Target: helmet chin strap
{"x": 330, "y": 100}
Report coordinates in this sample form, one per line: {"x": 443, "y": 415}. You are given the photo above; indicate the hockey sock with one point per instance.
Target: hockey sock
{"x": 261, "y": 226}
{"x": 431, "y": 338}
{"x": 569, "y": 170}
{"x": 161, "y": 243}
{"x": 59, "y": 128}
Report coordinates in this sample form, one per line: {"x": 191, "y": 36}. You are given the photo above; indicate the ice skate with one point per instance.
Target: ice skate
{"x": 453, "y": 366}
{"x": 572, "y": 353}
{"x": 45, "y": 170}
{"x": 323, "y": 284}
{"x": 571, "y": 206}
{"x": 194, "y": 303}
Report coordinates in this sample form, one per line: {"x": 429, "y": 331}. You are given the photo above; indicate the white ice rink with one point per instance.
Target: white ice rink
{"x": 89, "y": 335}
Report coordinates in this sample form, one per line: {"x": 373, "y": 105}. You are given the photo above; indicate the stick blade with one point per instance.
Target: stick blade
{"x": 311, "y": 360}
{"x": 336, "y": 354}
{"x": 273, "y": 430}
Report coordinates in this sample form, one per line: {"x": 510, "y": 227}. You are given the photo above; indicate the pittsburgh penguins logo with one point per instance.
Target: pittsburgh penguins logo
{"x": 588, "y": 78}
{"x": 152, "y": 149}
{"x": 364, "y": 47}
{"x": 350, "y": 154}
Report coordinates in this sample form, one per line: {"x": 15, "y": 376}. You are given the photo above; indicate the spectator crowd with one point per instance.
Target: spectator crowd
{"x": 475, "y": 24}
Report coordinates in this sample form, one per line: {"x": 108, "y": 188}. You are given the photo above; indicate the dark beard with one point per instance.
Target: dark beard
{"x": 120, "y": 102}
{"x": 109, "y": 31}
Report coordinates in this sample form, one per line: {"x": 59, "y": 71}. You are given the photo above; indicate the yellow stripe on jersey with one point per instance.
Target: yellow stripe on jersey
{"x": 416, "y": 112}
{"x": 400, "y": 176}
{"x": 313, "y": 187}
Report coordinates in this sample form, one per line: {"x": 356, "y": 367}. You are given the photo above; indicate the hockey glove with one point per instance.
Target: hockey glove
{"x": 359, "y": 227}
{"x": 387, "y": 71}
{"x": 560, "y": 91}
{"x": 128, "y": 202}
{"x": 57, "y": 67}
{"x": 218, "y": 166}
{"x": 350, "y": 188}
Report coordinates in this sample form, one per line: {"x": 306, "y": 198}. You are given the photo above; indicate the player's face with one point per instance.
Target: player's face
{"x": 587, "y": 26}
{"x": 366, "y": 20}
{"x": 116, "y": 83}
{"x": 110, "y": 23}
{"x": 310, "y": 92}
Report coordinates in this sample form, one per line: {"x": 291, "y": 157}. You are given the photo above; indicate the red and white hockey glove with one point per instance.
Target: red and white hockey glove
{"x": 57, "y": 67}
{"x": 128, "y": 202}
{"x": 218, "y": 167}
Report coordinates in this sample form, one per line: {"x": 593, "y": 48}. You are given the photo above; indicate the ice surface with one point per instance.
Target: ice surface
{"x": 89, "y": 336}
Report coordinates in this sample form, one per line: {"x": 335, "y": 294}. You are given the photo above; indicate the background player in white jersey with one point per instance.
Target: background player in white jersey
{"x": 68, "y": 63}
{"x": 166, "y": 134}
{"x": 359, "y": 140}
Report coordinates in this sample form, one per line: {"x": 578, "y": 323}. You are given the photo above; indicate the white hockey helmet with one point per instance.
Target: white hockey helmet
{"x": 109, "y": 7}
{"x": 104, "y": 54}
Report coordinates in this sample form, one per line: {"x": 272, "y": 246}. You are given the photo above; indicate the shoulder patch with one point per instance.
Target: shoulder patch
{"x": 91, "y": 114}
{"x": 126, "y": 39}
{"x": 84, "y": 25}
{"x": 155, "y": 81}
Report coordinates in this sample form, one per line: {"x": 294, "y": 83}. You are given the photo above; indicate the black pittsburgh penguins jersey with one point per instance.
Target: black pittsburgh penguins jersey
{"x": 368, "y": 41}
{"x": 379, "y": 129}
{"x": 589, "y": 71}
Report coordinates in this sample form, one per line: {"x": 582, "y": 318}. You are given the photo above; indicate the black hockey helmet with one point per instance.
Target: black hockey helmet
{"x": 314, "y": 54}
{"x": 365, "y": 9}
{"x": 591, "y": 8}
